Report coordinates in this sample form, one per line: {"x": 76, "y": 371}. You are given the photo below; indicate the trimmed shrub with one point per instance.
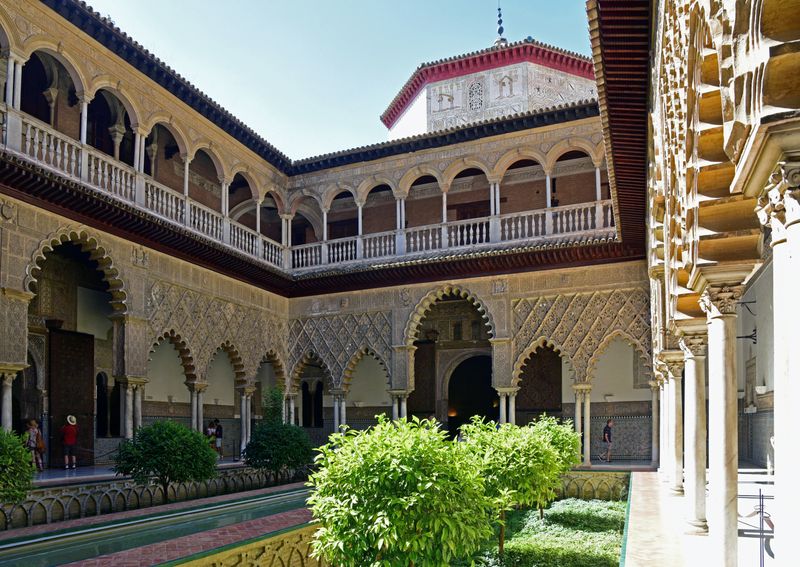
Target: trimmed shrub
{"x": 17, "y": 467}
{"x": 278, "y": 448}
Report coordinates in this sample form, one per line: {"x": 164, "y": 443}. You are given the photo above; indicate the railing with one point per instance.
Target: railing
{"x": 379, "y": 245}
{"x": 520, "y": 226}
{"x": 48, "y": 147}
{"x": 423, "y": 238}
{"x": 205, "y": 220}
{"x": 342, "y": 250}
{"x": 244, "y": 239}
{"x": 163, "y": 201}
{"x": 42, "y": 144}
{"x": 467, "y": 232}
{"x": 111, "y": 176}
{"x": 306, "y": 255}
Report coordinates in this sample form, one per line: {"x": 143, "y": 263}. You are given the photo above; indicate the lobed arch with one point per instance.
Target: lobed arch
{"x": 235, "y": 358}
{"x": 114, "y": 86}
{"x": 638, "y": 348}
{"x": 518, "y": 154}
{"x": 165, "y": 121}
{"x": 408, "y": 179}
{"x": 333, "y": 191}
{"x": 97, "y": 252}
{"x": 365, "y": 187}
{"x": 427, "y": 302}
{"x": 272, "y": 357}
{"x": 347, "y": 374}
{"x": 310, "y": 356}
{"x": 76, "y": 73}
{"x": 462, "y": 164}
{"x": 184, "y": 352}
{"x": 541, "y": 342}
{"x": 595, "y": 152}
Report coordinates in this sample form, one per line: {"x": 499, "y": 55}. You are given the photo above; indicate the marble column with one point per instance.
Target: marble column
{"x": 18, "y": 84}
{"x": 200, "y": 424}
{"x": 512, "y": 408}
{"x": 336, "y": 404}
{"x": 694, "y": 349}
{"x": 502, "y": 407}
{"x": 655, "y": 423}
{"x": 7, "y": 379}
{"x": 128, "y": 411}
{"x": 395, "y": 406}
{"x": 193, "y": 397}
{"x": 675, "y": 369}
{"x": 249, "y": 421}
{"x": 404, "y": 406}
{"x": 343, "y": 410}
{"x": 587, "y": 426}
{"x": 137, "y": 406}
{"x": 9, "y": 81}
{"x": 291, "y": 410}
{"x": 664, "y": 452}
{"x": 719, "y": 304}
{"x": 242, "y": 421}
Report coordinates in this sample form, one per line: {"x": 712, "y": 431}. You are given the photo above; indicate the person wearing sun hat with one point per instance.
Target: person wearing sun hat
{"x": 69, "y": 438}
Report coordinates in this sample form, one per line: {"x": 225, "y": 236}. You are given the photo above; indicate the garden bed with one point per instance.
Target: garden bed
{"x": 573, "y": 533}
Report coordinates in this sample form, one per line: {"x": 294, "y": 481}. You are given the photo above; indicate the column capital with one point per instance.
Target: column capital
{"x": 720, "y": 300}
{"x": 582, "y": 387}
{"x": 779, "y": 203}
{"x": 507, "y": 391}
{"x": 198, "y": 387}
{"x": 694, "y": 345}
{"x": 6, "y": 378}
{"x": 655, "y": 385}
{"x": 287, "y": 216}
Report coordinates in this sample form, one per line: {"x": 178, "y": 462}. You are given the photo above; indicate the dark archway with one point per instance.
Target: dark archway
{"x": 540, "y": 386}
{"x": 26, "y": 398}
{"x": 470, "y": 392}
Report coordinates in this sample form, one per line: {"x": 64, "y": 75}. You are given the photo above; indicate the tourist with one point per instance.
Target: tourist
{"x": 607, "y": 441}
{"x": 35, "y": 444}
{"x": 69, "y": 439}
{"x": 218, "y": 436}
{"x": 211, "y": 433}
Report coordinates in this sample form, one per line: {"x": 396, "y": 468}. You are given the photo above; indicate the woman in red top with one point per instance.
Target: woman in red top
{"x": 69, "y": 437}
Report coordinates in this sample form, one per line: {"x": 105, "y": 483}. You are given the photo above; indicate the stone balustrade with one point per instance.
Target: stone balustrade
{"x": 34, "y": 140}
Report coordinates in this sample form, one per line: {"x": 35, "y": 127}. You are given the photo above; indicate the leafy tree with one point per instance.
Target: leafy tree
{"x": 17, "y": 467}
{"x": 272, "y": 405}
{"x": 398, "y": 494}
{"x": 168, "y": 451}
{"x": 516, "y": 462}
{"x": 566, "y": 442}
{"x": 278, "y": 447}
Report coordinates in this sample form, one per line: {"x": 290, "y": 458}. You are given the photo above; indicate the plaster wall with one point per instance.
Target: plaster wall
{"x": 221, "y": 379}
{"x": 165, "y": 376}
{"x": 369, "y": 385}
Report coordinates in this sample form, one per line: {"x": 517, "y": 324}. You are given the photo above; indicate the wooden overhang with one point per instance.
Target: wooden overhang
{"x": 621, "y": 38}
{"x": 42, "y": 188}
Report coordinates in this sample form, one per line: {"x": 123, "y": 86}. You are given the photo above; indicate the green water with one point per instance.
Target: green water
{"x": 66, "y": 546}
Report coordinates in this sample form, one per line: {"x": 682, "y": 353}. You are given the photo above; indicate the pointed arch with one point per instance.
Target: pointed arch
{"x": 305, "y": 360}
{"x": 184, "y": 352}
{"x": 88, "y": 243}
{"x": 638, "y": 348}
{"x": 535, "y": 345}
{"x": 347, "y": 375}
{"x": 518, "y": 154}
{"x": 427, "y": 302}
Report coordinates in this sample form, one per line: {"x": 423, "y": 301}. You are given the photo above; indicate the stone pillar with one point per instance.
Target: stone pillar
{"x": 675, "y": 370}
{"x": 664, "y": 453}
{"x": 18, "y": 83}
{"x": 512, "y": 407}
{"x": 503, "y": 417}
{"x": 9, "y": 81}
{"x": 336, "y": 421}
{"x": 291, "y": 410}
{"x": 654, "y": 421}
{"x": 186, "y": 161}
{"x": 200, "y": 390}
{"x": 395, "y": 408}
{"x": 242, "y": 420}
{"x": 694, "y": 349}
{"x": 578, "y": 410}
{"x": 7, "y": 379}
{"x": 719, "y": 304}
{"x": 587, "y": 425}
{"x": 84, "y": 118}
{"x": 249, "y": 421}
{"x": 404, "y": 406}
{"x": 343, "y": 409}
{"x": 128, "y": 433}
{"x": 193, "y": 396}
{"x": 548, "y": 191}
{"x": 597, "y": 187}
{"x": 137, "y": 406}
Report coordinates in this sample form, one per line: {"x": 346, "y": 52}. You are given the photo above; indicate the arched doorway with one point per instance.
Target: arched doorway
{"x": 542, "y": 388}
{"x": 470, "y": 392}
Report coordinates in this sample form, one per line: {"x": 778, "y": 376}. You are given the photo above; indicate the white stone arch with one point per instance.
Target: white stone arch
{"x": 540, "y": 342}
{"x": 88, "y": 242}
{"x": 182, "y": 348}
{"x": 463, "y": 164}
{"x": 365, "y": 187}
{"x": 209, "y": 149}
{"x": 244, "y": 171}
{"x": 518, "y": 154}
{"x": 408, "y": 179}
{"x": 7, "y": 38}
{"x": 113, "y": 86}
{"x": 595, "y": 152}
{"x": 347, "y": 374}
{"x": 427, "y": 302}
{"x": 235, "y": 359}
{"x": 638, "y": 349}
{"x": 46, "y": 45}
{"x": 332, "y": 191}
{"x": 165, "y": 121}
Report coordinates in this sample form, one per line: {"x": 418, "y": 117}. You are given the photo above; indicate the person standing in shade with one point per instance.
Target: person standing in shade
{"x": 607, "y": 440}
{"x": 35, "y": 444}
{"x": 218, "y": 436}
{"x": 69, "y": 438}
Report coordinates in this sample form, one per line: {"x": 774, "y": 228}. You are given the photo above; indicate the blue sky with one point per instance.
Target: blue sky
{"x": 312, "y": 76}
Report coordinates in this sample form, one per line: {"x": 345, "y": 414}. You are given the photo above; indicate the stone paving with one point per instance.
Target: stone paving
{"x": 106, "y": 518}
{"x": 198, "y": 542}
{"x": 657, "y": 528}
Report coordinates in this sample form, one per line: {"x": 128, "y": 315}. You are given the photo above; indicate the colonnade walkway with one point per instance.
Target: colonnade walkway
{"x": 657, "y": 528}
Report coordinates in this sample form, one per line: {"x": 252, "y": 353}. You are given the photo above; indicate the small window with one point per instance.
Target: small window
{"x": 475, "y": 94}
{"x": 457, "y": 332}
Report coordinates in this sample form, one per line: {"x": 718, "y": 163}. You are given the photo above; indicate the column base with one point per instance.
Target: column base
{"x": 696, "y": 527}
